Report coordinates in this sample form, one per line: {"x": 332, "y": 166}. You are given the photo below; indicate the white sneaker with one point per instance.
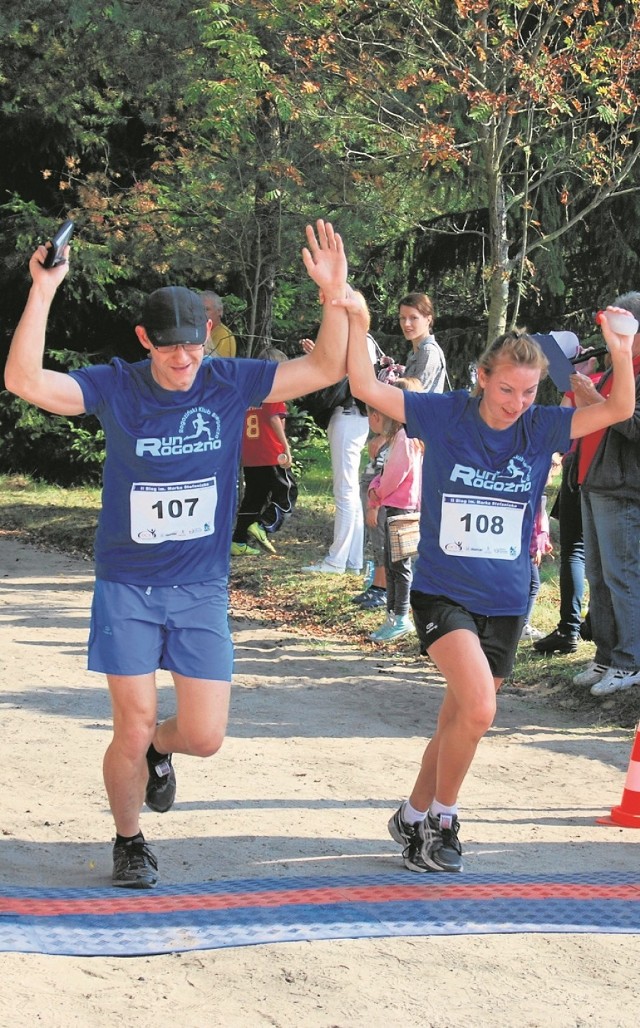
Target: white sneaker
{"x": 322, "y": 568}
{"x": 591, "y": 674}
{"x": 529, "y": 632}
{"x": 614, "y": 680}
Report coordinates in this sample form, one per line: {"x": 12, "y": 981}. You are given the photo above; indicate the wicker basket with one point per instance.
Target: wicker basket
{"x": 404, "y": 533}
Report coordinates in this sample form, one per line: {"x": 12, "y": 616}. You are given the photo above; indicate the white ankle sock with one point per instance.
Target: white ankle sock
{"x": 410, "y": 815}
{"x": 440, "y": 808}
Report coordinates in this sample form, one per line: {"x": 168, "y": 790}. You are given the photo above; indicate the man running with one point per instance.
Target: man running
{"x": 164, "y": 530}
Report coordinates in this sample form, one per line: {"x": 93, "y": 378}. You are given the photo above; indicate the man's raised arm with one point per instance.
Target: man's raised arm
{"x": 24, "y": 372}
{"x": 325, "y": 261}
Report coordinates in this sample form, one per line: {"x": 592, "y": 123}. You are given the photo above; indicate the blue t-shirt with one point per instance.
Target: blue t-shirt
{"x": 170, "y": 474}
{"x": 481, "y": 488}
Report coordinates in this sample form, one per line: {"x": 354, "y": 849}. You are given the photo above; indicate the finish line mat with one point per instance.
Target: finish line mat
{"x": 214, "y": 915}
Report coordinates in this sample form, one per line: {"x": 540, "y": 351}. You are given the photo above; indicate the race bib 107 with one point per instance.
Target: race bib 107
{"x": 172, "y": 510}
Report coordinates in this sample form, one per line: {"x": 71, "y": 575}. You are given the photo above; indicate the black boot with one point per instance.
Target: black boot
{"x": 557, "y": 642}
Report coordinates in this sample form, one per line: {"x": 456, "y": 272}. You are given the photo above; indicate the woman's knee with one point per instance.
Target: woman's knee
{"x": 474, "y": 717}
{"x": 479, "y": 717}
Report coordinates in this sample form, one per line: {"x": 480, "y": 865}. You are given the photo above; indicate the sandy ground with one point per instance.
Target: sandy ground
{"x": 323, "y": 742}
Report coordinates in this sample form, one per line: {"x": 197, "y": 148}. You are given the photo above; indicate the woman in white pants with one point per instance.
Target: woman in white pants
{"x": 347, "y": 432}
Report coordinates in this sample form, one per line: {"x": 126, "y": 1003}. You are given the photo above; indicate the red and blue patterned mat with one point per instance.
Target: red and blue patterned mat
{"x": 213, "y": 915}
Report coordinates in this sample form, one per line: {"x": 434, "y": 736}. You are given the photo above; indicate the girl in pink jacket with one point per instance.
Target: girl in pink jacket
{"x": 397, "y": 490}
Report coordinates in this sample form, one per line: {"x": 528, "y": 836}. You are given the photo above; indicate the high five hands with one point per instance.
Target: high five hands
{"x": 325, "y": 260}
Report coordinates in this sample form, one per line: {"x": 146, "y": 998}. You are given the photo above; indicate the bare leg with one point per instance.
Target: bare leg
{"x": 197, "y": 729}
{"x": 133, "y": 699}
{"x": 466, "y": 714}
{"x": 199, "y": 726}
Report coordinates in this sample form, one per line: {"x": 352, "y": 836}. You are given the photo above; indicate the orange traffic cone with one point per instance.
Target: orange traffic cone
{"x": 627, "y": 814}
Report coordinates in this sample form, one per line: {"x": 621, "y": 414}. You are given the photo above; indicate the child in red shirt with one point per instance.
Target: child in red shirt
{"x": 270, "y": 491}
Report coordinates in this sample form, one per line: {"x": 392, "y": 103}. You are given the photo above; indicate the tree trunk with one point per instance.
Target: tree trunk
{"x": 267, "y": 220}
{"x": 499, "y": 271}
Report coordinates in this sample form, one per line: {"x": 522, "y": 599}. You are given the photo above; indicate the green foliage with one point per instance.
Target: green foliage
{"x": 49, "y": 448}
{"x": 307, "y": 442}
{"x": 474, "y": 150}
{"x": 68, "y": 451}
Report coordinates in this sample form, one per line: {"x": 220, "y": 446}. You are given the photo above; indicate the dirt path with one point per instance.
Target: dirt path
{"x": 322, "y": 744}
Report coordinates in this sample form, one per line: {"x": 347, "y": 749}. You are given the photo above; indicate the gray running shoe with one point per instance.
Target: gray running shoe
{"x": 400, "y": 831}
{"x": 134, "y": 865}
{"x": 376, "y": 598}
{"x": 435, "y": 845}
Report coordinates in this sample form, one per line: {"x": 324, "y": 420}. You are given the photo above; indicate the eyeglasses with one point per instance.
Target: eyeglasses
{"x": 189, "y": 347}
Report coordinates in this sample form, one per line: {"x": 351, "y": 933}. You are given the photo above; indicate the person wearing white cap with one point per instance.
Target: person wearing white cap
{"x": 173, "y": 425}
{"x": 609, "y": 478}
{"x": 571, "y": 574}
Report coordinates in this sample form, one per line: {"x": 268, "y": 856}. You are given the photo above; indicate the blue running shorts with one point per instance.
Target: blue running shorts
{"x": 182, "y": 628}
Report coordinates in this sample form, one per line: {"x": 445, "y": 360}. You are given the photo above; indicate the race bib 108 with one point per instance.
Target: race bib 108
{"x": 474, "y": 526}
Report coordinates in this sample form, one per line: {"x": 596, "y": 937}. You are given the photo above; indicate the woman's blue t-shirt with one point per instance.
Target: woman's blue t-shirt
{"x": 481, "y": 488}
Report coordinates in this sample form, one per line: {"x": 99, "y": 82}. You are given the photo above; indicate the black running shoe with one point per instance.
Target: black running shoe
{"x": 161, "y": 784}
{"x": 556, "y": 642}
{"x": 399, "y": 830}
{"x": 435, "y": 846}
{"x": 134, "y": 865}
{"x": 376, "y": 598}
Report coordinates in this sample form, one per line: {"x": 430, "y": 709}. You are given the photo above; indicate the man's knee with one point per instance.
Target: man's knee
{"x": 133, "y": 736}
{"x": 203, "y": 740}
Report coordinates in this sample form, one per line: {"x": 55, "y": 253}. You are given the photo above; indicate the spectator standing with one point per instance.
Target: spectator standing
{"x": 347, "y": 433}
{"x": 396, "y": 490}
{"x": 375, "y": 592}
{"x": 571, "y": 575}
{"x": 609, "y": 479}
{"x": 426, "y": 361}
{"x": 539, "y": 547}
{"x": 221, "y": 342}
{"x": 270, "y": 491}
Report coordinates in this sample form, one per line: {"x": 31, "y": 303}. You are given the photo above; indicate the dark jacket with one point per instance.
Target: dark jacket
{"x": 615, "y": 467}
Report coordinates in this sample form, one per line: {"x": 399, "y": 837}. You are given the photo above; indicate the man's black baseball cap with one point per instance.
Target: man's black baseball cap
{"x": 174, "y": 314}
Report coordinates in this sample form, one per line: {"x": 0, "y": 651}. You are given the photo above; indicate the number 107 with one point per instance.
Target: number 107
{"x": 176, "y": 508}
